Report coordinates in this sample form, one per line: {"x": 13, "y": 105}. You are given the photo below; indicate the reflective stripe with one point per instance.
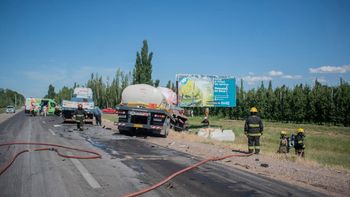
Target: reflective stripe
{"x": 254, "y": 125}
{"x": 254, "y": 134}
{"x": 257, "y": 147}
{"x": 80, "y": 115}
{"x": 250, "y": 147}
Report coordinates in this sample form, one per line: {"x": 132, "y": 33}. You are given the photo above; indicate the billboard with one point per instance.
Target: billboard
{"x": 206, "y": 91}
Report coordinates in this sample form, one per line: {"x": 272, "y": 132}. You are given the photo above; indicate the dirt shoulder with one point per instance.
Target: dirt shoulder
{"x": 5, "y": 116}
{"x": 333, "y": 182}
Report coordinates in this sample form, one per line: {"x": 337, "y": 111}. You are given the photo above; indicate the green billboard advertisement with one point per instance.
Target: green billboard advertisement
{"x": 206, "y": 91}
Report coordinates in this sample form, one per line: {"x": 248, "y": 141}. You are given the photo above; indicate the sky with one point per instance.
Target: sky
{"x": 60, "y": 42}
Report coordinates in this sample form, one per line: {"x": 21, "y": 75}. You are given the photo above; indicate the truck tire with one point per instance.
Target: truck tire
{"x": 166, "y": 128}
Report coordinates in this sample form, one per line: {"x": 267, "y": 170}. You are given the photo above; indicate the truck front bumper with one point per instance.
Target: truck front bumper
{"x": 132, "y": 125}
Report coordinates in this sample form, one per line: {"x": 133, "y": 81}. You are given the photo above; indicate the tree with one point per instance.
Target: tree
{"x": 142, "y": 72}
{"x": 168, "y": 85}
{"x": 156, "y": 83}
{"x": 51, "y": 92}
{"x": 10, "y": 97}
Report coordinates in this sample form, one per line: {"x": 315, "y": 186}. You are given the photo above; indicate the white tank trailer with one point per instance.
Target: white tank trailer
{"x": 144, "y": 108}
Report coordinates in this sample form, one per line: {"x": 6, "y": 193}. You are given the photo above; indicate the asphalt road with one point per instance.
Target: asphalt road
{"x": 128, "y": 164}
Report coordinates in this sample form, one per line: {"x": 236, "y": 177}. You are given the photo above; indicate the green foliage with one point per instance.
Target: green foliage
{"x": 64, "y": 94}
{"x": 327, "y": 145}
{"x": 50, "y": 92}
{"x": 142, "y": 72}
{"x": 320, "y": 104}
{"x": 108, "y": 93}
{"x": 156, "y": 83}
{"x": 10, "y": 97}
{"x": 168, "y": 85}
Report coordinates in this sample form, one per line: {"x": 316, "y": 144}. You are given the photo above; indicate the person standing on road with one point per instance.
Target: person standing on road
{"x": 80, "y": 115}
{"x": 98, "y": 114}
{"x": 299, "y": 143}
{"x": 253, "y": 129}
{"x": 45, "y": 110}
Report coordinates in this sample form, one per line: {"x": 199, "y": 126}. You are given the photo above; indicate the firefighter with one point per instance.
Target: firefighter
{"x": 80, "y": 115}
{"x": 253, "y": 129}
{"x": 284, "y": 143}
{"x": 299, "y": 145}
{"x": 205, "y": 122}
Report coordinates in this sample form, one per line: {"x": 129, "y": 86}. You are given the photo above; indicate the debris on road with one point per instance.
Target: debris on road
{"x": 265, "y": 165}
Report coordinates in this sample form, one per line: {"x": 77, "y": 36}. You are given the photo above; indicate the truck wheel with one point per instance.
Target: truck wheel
{"x": 166, "y": 129}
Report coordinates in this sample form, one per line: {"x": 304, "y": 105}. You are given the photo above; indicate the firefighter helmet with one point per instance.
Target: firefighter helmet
{"x": 300, "y": 130}
{"x": 253, "y": 110}
{"x": 283, "y": 133}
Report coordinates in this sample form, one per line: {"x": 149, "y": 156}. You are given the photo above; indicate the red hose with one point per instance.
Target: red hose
{"x": 183, "y": 171}
{"x": 3, "y": 169}
{"x": 99, "y": 156}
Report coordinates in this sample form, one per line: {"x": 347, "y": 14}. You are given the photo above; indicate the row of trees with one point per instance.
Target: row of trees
{"x": 10, "y": 97}
{"x": 301, "y": 104}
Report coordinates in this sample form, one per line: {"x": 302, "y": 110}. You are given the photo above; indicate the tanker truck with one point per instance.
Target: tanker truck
{"x": 146, "y": 108}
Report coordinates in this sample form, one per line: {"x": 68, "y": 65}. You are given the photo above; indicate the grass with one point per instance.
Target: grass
{"x": 110, "y": 117}
{"x": 325, "y": 145}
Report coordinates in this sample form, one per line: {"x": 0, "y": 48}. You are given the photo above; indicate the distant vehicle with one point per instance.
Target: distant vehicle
{"x": 109, "y": 111}
{"x": 51, "y": 106}
{"x": 80, "y": 96}
{"x": 10, "y": 109}
{"x": 32, "y": 105}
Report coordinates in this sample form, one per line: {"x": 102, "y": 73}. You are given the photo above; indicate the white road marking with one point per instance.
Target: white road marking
{"x": 87, "y": 176}
{"x": 52, "y": 132}
{"x": 44, "y": 122}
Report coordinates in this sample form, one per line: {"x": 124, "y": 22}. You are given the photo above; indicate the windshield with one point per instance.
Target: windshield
{"x": 81, "y": 99}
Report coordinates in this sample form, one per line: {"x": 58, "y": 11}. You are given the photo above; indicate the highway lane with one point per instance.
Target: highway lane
{"x": 43, "y": 174}
{"x": 128, "y": 165}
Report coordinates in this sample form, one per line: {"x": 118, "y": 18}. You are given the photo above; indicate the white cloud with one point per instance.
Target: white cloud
{"x": 252, "y": 79}
{"x": 275, "y": 73}
{"x": 292, "y": 76}
{"x": 331, "y": 69}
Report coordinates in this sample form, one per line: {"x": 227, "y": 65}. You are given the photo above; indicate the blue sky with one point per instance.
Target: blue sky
{"x": 62, "y": 42}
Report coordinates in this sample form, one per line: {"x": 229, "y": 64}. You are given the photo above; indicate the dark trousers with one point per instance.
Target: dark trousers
{"x": 300, "y": 152}
{"x": 98, "y": 120}
{"x": 254, "y": 144}
{"x": 80, "y": 124}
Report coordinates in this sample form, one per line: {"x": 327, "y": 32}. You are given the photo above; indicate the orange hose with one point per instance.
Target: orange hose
{"x": 181, "y": 172}
{"x": 3, "y": 169}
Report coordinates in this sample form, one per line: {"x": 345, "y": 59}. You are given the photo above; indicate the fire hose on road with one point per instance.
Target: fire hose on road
{"x": 50, "y": 147}
{"x": 183, "y": 171}
{"x": 97, "y": 156}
